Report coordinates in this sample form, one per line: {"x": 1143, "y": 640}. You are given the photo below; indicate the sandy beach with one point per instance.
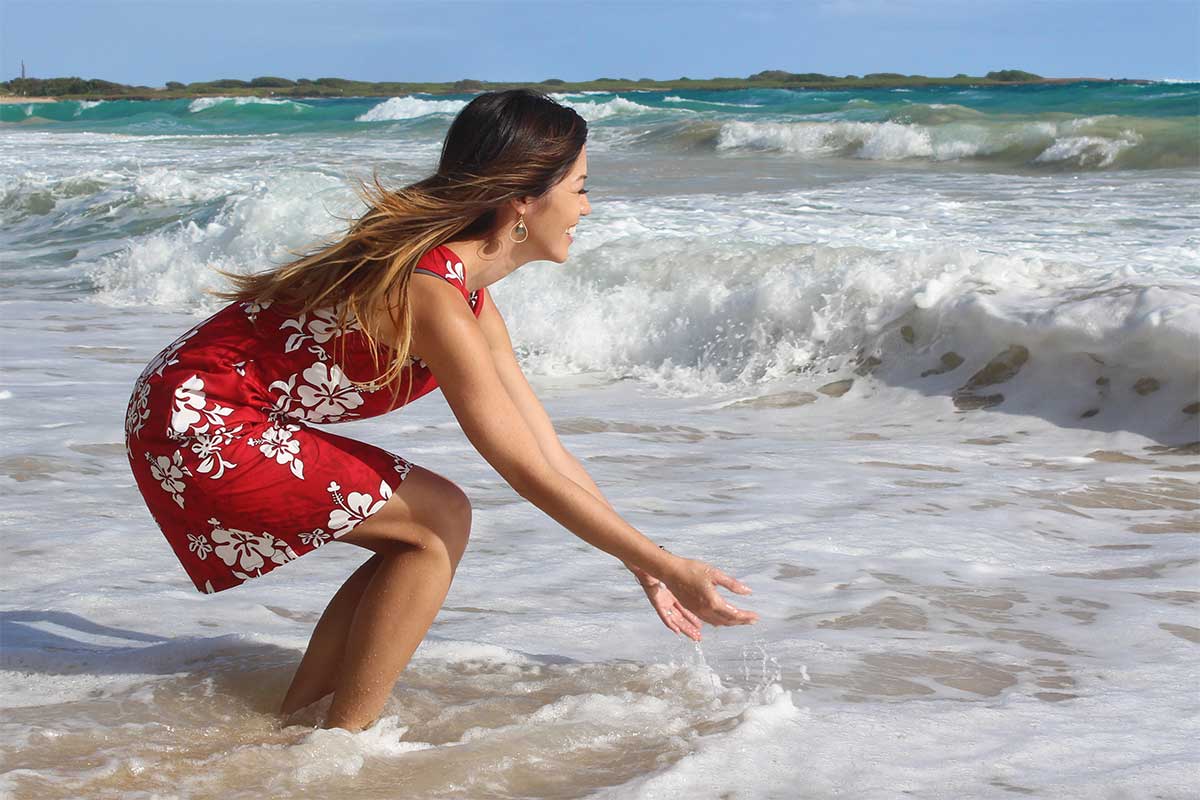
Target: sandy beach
{"x": 11, "y": 98}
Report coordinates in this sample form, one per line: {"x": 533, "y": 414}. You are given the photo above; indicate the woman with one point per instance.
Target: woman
{"x": 218, "y": 429}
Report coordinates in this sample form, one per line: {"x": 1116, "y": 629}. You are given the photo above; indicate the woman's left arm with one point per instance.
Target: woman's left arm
{"x": 535, "y": 416}
{"x": 527, "y": 403}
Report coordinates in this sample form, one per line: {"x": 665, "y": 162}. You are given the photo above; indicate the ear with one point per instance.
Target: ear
{"x": 522, "y": 205}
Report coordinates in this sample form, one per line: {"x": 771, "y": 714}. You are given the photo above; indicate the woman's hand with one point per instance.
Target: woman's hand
{"x": 677, "y": 618}
{"x": 692, "y": 585}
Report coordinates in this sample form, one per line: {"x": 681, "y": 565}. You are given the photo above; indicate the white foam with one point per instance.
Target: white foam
{"x": 205, "y": 103}
{"x": 480, "y": 652}
{"x": 410, "y": 108}
{"x": 1087, "y": 151}
{"x": 252, "y": 230}
{"x": 747, "y": 303}
{"x": 674, "y": 99}
{"x": 618, "y": 106}
{"x": 927, "y": 585}
{"x": 85, "y": 105}
{"x": 766, "y": 738}
{"x": 895, "y": 141}
{"x": 326, "y": 754}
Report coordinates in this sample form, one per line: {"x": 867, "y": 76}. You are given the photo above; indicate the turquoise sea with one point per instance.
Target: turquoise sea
{"x": 1080, "y": 126}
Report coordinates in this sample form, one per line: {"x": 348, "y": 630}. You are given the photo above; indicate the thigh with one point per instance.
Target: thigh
{"x": 424, "y": 511}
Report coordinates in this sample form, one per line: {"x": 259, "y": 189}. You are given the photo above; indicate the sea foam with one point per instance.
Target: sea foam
{"x": 410, "y": 108}
{"x": 207, "y": 103}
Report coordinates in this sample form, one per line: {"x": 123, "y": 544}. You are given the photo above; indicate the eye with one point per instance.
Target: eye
{"x": 583, "y": 191}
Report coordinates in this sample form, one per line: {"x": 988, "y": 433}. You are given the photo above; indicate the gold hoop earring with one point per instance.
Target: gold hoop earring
{"x": 519, "y": 230}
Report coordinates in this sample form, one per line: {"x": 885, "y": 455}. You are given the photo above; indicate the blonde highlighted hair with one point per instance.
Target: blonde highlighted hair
{"x": 502, "y": 146}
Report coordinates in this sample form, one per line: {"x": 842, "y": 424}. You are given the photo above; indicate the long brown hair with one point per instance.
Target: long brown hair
{"x": 501, "y": 146}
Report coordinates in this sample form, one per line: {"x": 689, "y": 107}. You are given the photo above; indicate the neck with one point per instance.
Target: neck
{"x": 481, "y": 269}
{"x": 486, "y": 260}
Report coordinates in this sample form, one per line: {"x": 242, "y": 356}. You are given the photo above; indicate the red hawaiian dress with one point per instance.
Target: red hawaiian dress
{"x": 220, "y": 435}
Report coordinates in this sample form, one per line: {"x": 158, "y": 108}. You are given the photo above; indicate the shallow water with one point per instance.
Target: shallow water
{"x": 942, "y": 418}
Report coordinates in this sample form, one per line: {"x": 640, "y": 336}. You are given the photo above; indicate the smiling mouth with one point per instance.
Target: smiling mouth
{"x": 571, "y": 231}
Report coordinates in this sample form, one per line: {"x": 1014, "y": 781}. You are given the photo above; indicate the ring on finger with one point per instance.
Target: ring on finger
{"x": 670, "y": 613}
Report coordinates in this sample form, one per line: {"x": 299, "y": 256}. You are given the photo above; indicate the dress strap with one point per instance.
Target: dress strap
{"x": 430, "y": 264}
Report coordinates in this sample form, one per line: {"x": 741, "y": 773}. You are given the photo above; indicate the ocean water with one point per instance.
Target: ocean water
{"x": 920, "y": 367}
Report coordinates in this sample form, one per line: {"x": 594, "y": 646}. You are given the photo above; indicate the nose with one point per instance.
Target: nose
{"x": 587, "y": 206}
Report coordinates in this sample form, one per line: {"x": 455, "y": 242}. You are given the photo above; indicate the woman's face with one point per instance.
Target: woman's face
{"x": 551, "y": 216}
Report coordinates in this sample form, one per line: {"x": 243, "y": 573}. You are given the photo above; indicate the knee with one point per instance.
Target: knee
{"x": 454, "y": 524}
{"x": 446, "y": 520}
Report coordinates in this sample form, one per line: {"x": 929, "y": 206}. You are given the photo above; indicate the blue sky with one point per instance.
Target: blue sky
{"x": 153, "y": 41}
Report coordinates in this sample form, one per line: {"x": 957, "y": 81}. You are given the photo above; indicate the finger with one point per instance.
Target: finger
{"x": 692, "y": 632}
{"x": 730, "y": 583}
{"x": 688, "y": 615}
{"x": 673, "y": 622}
{"x": 695, "y": 618}
{"x": 689, "y": 624}
{"x": 740, "y": 617}
{"x": 731, "y": 615}
{"x": 719, "y": 612}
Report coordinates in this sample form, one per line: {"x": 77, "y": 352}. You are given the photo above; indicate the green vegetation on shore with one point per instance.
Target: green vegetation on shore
{"x": 78, "y": 88}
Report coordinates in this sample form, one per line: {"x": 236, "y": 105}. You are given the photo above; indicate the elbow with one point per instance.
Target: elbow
{"x": 534, "y": 482}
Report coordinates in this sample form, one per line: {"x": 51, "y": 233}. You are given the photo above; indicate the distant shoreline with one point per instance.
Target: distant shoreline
{"x": 52, "y": 90}
{"x": 7, "y": 99}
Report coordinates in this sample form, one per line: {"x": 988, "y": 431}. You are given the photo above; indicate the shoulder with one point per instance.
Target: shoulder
{"x": 441, "y": 262}
{"x": 435, "y": 300}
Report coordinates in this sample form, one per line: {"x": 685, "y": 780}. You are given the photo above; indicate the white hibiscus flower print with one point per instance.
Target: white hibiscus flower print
{"x": 242, "y": 548}
{"x": 192, "y": 412}
{"x": 283, "y": 551}
{"x": 324, "y": 325}
{"x": 354, "y": 508}
{"x": 254, "y": 307}
{"x": 169, "y": 472}
{"x": 168, "y": 356}
{"x": 189, "y": 402}
{"x": 248, "y": 551}
{"x": 403, "y": 467}
{"x": 199, "y": 545}
{"x": 315, "y": 538}
{"x": 138, "y": 411}
{"x": 277, "y": 443}
{"x": 318, "y": 326}
{"x": 282, "y": 409}
{"x": 327, "y": 393}
{"x": 207, "y": 446}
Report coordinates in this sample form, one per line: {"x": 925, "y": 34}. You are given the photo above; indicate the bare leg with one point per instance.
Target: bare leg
{"x": 316, "y": 675}
{"x": 380, "y": 615}
{"x": 396, "y": 610}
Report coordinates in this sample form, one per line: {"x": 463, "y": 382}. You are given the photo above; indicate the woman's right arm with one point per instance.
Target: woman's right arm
{"x": 448, "y": 337}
